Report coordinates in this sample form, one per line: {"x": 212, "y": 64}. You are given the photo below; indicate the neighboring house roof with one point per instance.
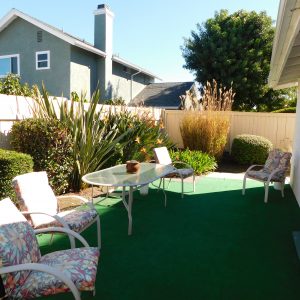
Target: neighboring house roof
{"x": 123, "y": 62}
{"x": 77, "y": 42}
{"x": 162, "y": 94}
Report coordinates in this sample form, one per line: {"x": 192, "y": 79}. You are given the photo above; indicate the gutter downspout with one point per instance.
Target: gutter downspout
{"x": 131, "y": 78}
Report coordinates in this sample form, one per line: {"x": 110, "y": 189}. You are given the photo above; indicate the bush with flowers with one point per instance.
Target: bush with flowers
{"x": 142, "y": 134}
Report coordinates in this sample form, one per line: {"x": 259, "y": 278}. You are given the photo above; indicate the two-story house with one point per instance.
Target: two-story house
{"x": 39, "y": 52}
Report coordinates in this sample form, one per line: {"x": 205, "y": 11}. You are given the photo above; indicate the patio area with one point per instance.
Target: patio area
{"x": 213, "y": 244}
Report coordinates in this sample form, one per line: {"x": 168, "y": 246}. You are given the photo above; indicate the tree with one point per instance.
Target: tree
{"x": 235, "y": 49}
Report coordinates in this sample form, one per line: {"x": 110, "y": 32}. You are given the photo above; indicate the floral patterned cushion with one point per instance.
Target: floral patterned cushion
{"x": 18, "y": 245}
{"x": 79, "y": 264}
{"x": 277, "y": 160}
{"x": 77, "y": 219}
{"x": 263, "y": 175}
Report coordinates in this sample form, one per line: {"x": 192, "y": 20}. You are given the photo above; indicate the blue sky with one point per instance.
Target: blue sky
{"x": 147, "y": 33}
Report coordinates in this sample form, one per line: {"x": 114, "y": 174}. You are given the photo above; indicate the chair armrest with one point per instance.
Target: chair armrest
{"x": 45, "y": 269}
{"x": 82, "y": 199}
{"x": 57, "y": 218}
{"x": 63, "y": 230}
{"x": 186, "y": 165}
{"x": 253, "y": 166}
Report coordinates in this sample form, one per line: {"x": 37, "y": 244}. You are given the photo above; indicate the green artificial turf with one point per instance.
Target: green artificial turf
{"x": 213, "y": 244}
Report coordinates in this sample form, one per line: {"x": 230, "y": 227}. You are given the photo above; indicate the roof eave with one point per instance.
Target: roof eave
{"x": 135, "y": 67}
{"x": 287, "y": 28}
{"x": 14, "y": 13}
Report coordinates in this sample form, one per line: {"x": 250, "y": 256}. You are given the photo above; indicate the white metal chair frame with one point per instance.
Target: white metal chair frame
{"x": 47, "y": 269}
{"x": 176, "y": 173}
{"x": 265, "y": 182}
{"x": 65, "y": 224}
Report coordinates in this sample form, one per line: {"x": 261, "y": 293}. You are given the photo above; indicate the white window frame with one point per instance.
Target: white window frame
{"x": 18, "y": 62}
{"x": 37, "y": 61}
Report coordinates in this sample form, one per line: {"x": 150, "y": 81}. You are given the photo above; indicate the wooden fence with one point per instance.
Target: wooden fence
{"x": 15, "y": 108}
{"x": 278, "y": 128}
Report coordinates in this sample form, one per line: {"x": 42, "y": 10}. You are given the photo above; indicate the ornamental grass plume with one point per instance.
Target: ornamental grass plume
{"x": 206, "y": 128}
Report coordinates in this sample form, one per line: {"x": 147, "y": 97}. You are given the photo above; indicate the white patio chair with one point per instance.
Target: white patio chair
{"x": 26, "y": 274}
{"x": 274, "y": 170}
{"x": 38, "y": 202}
{"x": 162, "y": 156}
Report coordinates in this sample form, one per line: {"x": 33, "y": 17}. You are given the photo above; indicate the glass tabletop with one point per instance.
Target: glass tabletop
{"x": 117, "y": 175}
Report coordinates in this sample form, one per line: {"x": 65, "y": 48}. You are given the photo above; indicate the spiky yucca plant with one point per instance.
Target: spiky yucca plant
{"x": 94, "y": 145}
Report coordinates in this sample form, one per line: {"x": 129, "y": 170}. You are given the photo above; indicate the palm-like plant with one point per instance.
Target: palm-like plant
{"x": 94, "y": 145}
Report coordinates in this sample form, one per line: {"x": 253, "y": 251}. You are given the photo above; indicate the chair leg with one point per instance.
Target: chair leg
{"x": 72, "y": 242}
{"x": 99, "y": 232}
{"x": 161, "y": 179}
{"x": 51, "y": 239}
{"x": 194, "y": 183}
{"x": 282, "y": 189}
{"x": 244, "y": 185}
{"x": 181, "y": 187}
{"x": 266, "y": 191}
{"x": 169, "y": 183}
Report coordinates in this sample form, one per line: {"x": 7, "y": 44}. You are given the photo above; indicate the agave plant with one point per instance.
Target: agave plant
{"x": 94, "y": 145}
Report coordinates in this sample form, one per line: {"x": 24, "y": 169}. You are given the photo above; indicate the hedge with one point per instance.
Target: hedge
{"x": 12, "y": 164}
{"x": 50, "y": 144}
{"x": 250, "y": 149}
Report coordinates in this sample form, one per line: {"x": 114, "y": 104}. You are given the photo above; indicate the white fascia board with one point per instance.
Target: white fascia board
{"x": 132, "y": 66}
{"x": 14, "y": 13}
{"x": 89, "y": 48}
{"x": 287, "y": 28}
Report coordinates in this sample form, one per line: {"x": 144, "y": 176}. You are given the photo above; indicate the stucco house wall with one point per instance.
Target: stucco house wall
{"x": 295, "y": 171}
{"x": 57, "y": 78}
{"x": 75, "y": 65}
{"x": 83, "y": 71}
{"x": 121, "y": 82}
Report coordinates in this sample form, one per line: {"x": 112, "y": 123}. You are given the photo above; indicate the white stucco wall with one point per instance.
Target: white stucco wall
{"x": 295, "y": 171}
{"x": 80, "y": 79}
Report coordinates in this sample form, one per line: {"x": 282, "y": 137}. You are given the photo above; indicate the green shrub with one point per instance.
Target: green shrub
{"x": 93, "y": 143}
{"x": 142, "y": 134}
{"x": 199, "y": 161}
{"x": 206, "y": 132}
{"x": 285, "y": 110}
{"x": 250, "y": 149}
{"x": 11, "y": 85}
{"x": 12, "y": 164}
{"x": 50, "y": 144}
{"x": 115, "y": 101}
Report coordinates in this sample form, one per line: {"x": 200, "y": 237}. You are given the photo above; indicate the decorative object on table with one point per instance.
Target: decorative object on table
{"x": 274, "y": 170}
{"x": 132, "y": 166}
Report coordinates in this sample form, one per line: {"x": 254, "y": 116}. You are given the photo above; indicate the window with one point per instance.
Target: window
{"x": 9, "y": 64}
{"x": 42, "y": 60}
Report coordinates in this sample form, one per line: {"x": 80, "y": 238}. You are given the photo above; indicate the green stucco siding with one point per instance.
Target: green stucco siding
{"x": 20, "y": 37}
{"x": 83, "y": 71}
{"x": 121, "y": 82}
